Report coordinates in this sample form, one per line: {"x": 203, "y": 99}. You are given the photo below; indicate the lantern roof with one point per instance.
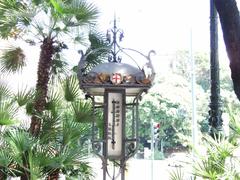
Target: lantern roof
{"x": 114, "y": 74}
{"x": 122, "y": 68}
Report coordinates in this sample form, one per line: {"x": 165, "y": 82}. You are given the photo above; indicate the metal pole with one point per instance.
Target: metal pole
{"x": 215, "y": 120}
{"x": 152, "y": 147}
{"x": 193, "y": 83}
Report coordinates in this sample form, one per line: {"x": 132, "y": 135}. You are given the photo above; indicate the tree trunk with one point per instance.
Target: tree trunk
{"x": 54, "y": 175}
{"x": 230, "y": 22}
{"x": 43, "y": 75}
{"x": 3, "y": 176}
{"x": 25, "y": 170}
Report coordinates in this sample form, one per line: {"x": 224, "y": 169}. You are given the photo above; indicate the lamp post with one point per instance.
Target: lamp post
{"x": 215, "y": 120}
{"x": 115, "y": 89}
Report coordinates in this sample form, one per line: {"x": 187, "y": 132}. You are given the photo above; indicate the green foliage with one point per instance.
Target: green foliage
{"x": 71, "y": 88}
{"x": 24, "y": 96}
{"x": 213, "y": 164}
{"x": 158, "y": 155}
{"x": 14, "y": 16}
{"x": 172, "y": 117}
{"x": 4, "y": 91}
{"x": 54, "y": 100}
{"x": 82, "y": 111}
{"x": 182, "y": 67}
{"x": 177, "y": 174}
{"x": 7, "y": 108}
{"x": 98, "y": 50}
{"x": 12, "y": 60}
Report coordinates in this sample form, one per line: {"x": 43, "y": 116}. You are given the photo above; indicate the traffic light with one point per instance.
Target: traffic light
{"x": 156, "y": 130}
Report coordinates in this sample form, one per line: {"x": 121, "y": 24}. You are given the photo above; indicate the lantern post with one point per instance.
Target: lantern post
{"x": 115, "y": 89}
{"x": 215, "y": 112}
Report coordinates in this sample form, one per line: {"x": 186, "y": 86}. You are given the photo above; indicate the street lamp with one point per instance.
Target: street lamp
{"x": 215, "y": 112}
{"x": 115, "y": 89}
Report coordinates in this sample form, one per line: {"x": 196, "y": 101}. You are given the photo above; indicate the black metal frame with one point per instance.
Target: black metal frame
{"x": 215, "y": 113}
{"x": 129, "y": 145}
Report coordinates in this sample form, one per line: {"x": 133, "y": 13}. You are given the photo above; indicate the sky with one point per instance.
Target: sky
{"x": 165, "y": 26}
{"x": 159, "y": 24}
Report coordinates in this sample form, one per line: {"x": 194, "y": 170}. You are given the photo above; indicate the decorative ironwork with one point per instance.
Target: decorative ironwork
{"x": 114, "y": 36}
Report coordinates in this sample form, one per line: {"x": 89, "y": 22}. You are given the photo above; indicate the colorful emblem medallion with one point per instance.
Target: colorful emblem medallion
{"x": 116, "y": 78}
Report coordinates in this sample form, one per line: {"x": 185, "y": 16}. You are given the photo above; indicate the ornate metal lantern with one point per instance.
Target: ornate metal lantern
{"x": 115, "y": 89}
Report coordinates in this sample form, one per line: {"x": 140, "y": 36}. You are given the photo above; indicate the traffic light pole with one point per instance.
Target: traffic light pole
{"x": 152, "y": 147}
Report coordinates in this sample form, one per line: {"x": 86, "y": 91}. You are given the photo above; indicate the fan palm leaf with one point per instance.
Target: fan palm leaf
{"x": 177, "y": 174}
{"x": 15, "y": 16}
{"x": 73, "y": 132}
{"x": 98, "y": 51}
{"x": 7, "y": 167}
{"x": 212, "y": 166}
{"x": 75, "y": 12}
{"x": 82, "y": 111}
{"x": 51, "y": 127}
{"x": 4, "y": 91}
{"x": 12, "y": 60}
{"x": 71, "y": 88}
{"x": 24, "y": 96}
{"x": 7, "y": 113}
{"x": 54, "y": 100}
{"x": 66, "y": 152}
{"x": 25, "y": 154}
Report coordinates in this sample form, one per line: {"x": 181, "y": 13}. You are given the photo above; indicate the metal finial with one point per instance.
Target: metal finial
{"x": 114, "y": 36}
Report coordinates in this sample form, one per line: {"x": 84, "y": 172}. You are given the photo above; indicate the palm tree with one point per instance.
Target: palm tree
{"x": 60, "y": 146}
{"x": 48, "y": 21}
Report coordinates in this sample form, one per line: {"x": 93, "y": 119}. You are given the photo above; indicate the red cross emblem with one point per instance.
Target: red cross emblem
{"x": 116, "y": 78}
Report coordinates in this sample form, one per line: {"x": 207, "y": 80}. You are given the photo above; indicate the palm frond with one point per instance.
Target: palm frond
{"x": 7, "y": 113}
{"x": 71, "y": 161}
{"x": 235, "y": 125}
{"x": 57, "y": 6}
{"x": 19, "y": 140}
{"x": 98, "y": 50}
{"x": 29, "y": 108}
{"x": 51, "y": 127}
{"x": 85, "y": 13}
{"x": 4, "y": 91}
{"x": 7, "y": 166}
{"x": 71, "y": 88}
{"x": 24, "y": 96}
{"x": 212, "y": 166}
{"x": 54, "y": 100}
{"x": 73, "y": 132}
{"x": 82, "y": 12}
{"x": 12, "y": 60}
{"x": 82, "y": 111}
{"x": 5, "y": 159}
{"x": 177, "y": 174}
{"x": 15, "y": 16}
{"x": 59, "y": 69}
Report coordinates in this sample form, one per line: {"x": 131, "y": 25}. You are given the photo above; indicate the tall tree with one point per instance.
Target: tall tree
{"x": 230, "y": 22}
{"x": 48, "y": 21}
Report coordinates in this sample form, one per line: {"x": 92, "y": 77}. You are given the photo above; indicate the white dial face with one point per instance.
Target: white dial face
{"x": 114, "y": 129}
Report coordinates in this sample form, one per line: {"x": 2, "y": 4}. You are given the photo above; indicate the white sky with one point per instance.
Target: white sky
{"x": 161, "y": 25}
